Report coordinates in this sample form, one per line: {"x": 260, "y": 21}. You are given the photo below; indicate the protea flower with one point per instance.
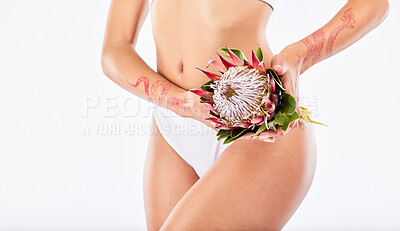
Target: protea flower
{"x": 245, "y": 97}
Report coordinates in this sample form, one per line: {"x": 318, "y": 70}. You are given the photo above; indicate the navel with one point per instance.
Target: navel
{"x": 180, "y": 67}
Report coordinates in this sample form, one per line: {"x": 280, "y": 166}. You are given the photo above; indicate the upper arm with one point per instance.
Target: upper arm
{"x": 125, "y": 19}
{"x": 381, "y": 7}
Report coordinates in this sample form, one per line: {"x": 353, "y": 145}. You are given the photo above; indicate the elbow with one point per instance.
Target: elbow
{"x": 113, "y": 61}
{"x": 385, "y": 8}
{"x": 381, "y": 9}
{"x": 105, "y": 61}
{"x": 377, "y": 9}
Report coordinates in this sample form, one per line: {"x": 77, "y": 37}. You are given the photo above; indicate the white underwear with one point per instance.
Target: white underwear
{"x": 194, "y": 141}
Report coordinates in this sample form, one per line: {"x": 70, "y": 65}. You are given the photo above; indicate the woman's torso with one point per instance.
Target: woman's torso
{"x": 188, "y": 33}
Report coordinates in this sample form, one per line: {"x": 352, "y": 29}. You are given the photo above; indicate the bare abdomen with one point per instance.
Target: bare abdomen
{"x": 188, "y": 33}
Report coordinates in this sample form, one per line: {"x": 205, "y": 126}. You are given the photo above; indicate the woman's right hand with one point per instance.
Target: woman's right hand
{"x": 193, "y": 108}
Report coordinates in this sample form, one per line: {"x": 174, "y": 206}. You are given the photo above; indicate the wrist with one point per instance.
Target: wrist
{"x": 299, "y": 50}
{"x": 175, "y": 100}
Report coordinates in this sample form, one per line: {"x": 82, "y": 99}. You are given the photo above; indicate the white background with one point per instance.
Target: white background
{"x": 57, "y": 172}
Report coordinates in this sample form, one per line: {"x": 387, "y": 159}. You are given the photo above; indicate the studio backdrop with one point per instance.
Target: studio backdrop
{"x": 73, "y": 143}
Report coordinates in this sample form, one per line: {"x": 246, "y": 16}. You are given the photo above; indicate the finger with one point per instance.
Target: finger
{"x": 270, "y": 139}
{"x": 288, "y": 84}
{"x": 249, "y": 136}
{"x": 294, "y": 124}
{"x": 278, "y": 64}
{"x": 271, "y": 133}
{"x": 267, "y": 135}
{"x": 287, "y": 131}
{"x": 279, "y": 68}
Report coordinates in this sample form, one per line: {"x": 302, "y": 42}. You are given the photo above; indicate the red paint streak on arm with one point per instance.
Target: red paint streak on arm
{"x": 145, "y": 81}
{"x": 152, "y": 94}
{"x": 165, "y": 87}
{"x": 315, "y": 47}
{"x": 351, "y": 23}
{"x": 172, "y": 101}
{"x": 348, "y": 22}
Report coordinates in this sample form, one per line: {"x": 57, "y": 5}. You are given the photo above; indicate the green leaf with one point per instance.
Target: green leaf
{"x": 202, "y": 99}
{"x": 237, "y": 136}
{"x": 213, "y": 114}
{"x": 280, "y": 118}
{"x": 223, "y": 132}
{"x": 228, "y": 140}
{"x": 275, "y": 77}
{"x": 259, "y": 53}
{"x": 237, "y": 52}
{"x": 206, "y": 86}
{"x": 287, "y": 114}
{"x": 290, "y": 118}
{"x": 224, "y": 51}
{"x": 237, "y": 131}
{"x": 289, "y": 104}
{"x": 283, "y": 120}
{"x": 293, "y": 117}
{"x": 262, "y": 128}
{"x": 224, "y": 136}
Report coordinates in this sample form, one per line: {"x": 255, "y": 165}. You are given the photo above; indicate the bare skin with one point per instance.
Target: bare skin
{"x": 254, "y": 185}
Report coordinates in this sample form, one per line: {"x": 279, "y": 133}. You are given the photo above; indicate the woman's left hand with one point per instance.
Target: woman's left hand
{"x": 287, "y": 65}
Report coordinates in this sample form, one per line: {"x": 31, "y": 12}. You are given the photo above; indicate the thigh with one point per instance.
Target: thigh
{"x": 252, "y": 186}
{"x": 167, "y": 177}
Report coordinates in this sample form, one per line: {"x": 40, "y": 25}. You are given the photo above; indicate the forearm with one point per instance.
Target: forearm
{"x": 352, "y": 22}
{"x": 124, "y": 66}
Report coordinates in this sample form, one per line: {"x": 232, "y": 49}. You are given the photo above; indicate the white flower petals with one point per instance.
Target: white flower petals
{"x": 238, "y": 94}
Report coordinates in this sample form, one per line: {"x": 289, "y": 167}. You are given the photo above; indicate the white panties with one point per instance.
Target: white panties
{"x": 194, "y": 141}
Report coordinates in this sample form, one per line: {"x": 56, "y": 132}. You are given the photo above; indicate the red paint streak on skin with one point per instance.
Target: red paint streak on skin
{"x": 348, "y": 22}
{"x": 175, "y": 102}
{"x": 165, "y": 87}
{"x": 146, "y": 82}
{"x": 314, "y": 48}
